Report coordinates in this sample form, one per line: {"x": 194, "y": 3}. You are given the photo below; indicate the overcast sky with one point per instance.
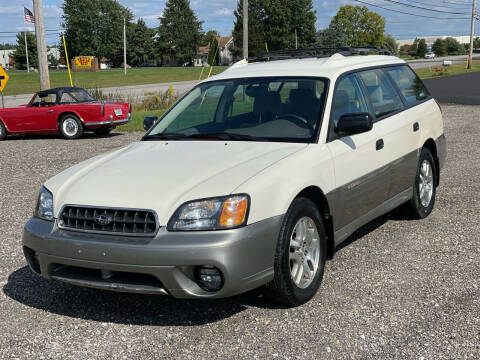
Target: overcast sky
{"x": 218, "y": 15}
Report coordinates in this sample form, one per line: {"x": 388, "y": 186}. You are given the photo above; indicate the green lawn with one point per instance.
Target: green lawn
{"x": 455, "y": 69}
{"x": 28, "y": 83}
{"x": 137, "y": 120}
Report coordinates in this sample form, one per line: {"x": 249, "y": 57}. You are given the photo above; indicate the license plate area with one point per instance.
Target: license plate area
{"x": 118, "y": 112}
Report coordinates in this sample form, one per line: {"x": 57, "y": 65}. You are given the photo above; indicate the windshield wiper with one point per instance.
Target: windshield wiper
{"x": 228, "y": 136}
{"x": 166, "y": 136}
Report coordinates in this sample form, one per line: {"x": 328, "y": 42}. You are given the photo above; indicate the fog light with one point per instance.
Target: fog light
{"x": 209, "y": 278}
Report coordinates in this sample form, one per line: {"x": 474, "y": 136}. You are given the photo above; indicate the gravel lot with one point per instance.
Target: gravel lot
{"x": 399, "y": 289}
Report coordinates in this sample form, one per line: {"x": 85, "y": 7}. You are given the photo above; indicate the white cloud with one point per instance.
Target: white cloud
{"x": 224, "y": 12}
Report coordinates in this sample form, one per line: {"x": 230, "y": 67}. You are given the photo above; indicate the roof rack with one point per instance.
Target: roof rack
{"x": 319, "y": 52}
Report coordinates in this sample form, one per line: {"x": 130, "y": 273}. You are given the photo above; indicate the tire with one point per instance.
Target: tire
{"x": 70, "y": 127}
{"x": 102, "y": 131}
{"x": 3, "y": 131}
{"x": 287, "y": 290}
{"x": 424, "y": 190}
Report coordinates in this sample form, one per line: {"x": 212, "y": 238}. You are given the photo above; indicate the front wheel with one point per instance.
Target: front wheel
{"x": 424, "y": 190}
{"x": 71, "y": 127}
{"x": 300, "y": 255}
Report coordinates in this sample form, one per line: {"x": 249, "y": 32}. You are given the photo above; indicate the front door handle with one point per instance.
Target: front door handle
{"x": 380, "y": 144}
{"x": 416, "y": 127}
{"x": 49, "y": 111}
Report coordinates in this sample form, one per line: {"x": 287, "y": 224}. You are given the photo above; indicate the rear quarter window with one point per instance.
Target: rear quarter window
{"x": 409, "y": 84}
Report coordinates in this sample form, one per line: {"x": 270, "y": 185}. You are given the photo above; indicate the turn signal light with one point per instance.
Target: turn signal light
{"x": 234, "y": 212}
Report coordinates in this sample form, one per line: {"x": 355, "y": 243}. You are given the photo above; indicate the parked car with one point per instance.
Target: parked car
{"x": 430, "y": 55}
{"x": 68, "y": 111}
{"x": 253, "y": 178}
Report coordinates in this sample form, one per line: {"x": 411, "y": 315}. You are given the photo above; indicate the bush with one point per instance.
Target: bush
{"x": 160, "y": 100}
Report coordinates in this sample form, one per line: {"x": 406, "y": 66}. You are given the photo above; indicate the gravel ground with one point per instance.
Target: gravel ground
{"x": 399, "y": 289}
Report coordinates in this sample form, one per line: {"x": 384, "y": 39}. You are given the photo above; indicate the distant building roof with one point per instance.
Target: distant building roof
{"x": 223, "y": 40}
{"x": 204, "y": 50}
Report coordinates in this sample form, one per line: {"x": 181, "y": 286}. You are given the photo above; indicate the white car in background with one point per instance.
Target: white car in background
{"x": 430, "y": 55}
{"x": 253, "y": 178}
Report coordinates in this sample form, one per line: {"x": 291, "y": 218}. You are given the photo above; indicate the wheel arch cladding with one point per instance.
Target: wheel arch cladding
{"x": 430, "y": 145}
{"x": 315, "y": 194}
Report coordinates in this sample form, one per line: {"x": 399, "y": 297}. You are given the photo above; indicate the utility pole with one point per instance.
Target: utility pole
{"x": 472, "y": 34}
{"x": 245, "y": 29}
{"x": 41, "y": 45}
{"x": 296, "y": 39}
{"x": 125, "y": 45}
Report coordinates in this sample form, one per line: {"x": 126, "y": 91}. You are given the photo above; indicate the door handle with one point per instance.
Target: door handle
{"x": 416, "y": 127}
{"x": 49, "y": 111}
{"x": 380, "y": 144}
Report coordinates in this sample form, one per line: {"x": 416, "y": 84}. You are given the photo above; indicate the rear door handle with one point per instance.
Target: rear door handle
{"x": 380, "y": 144}
{"x": 416, "y": 127}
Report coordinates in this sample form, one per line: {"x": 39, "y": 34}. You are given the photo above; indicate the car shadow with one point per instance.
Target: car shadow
{"x": 132, "y": 309}
{"x": 86, "y": 135}
{"x": 394, "y": 215}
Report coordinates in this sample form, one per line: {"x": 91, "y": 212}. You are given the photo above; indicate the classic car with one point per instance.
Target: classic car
{"x": 67, "y": 110}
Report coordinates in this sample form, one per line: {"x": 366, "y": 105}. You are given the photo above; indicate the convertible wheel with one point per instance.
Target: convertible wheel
{"x": 300, "y": 255}
{"x": 424, "y": 191}
{"x": 102, "y": 131}
{"x": 3, "y": 131}
{"x": 71, "y": 127}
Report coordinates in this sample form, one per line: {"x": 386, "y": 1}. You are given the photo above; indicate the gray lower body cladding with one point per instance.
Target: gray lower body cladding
{"x": 162, "y": 265}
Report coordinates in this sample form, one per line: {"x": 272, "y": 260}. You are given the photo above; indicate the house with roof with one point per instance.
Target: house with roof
{"x": 224, "y": 55}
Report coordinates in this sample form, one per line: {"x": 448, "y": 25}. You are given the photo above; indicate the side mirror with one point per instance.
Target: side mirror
{"x": 149, "y": 121}
{"x": 352, "y": 124}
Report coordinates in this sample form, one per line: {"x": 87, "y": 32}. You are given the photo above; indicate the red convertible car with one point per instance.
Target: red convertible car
{"x": 69, "y": 111}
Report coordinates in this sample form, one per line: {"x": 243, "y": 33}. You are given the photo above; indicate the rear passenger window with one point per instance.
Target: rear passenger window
{"x": 383, "y": 96}
{"x": 348, "y": 98}
{"x": 409, "y": 84}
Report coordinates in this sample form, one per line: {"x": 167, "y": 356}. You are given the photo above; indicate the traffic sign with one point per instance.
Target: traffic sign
{"x": 3, "y": 79}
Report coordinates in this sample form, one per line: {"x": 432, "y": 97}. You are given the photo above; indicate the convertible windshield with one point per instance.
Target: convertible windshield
{"x": 252, "y": 109}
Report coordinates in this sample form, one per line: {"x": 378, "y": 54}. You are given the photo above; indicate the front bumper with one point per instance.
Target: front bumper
{"x": 164, "y": 264}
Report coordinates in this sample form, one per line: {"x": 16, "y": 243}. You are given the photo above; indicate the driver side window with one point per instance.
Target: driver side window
{"x": 348, "y": 98}
{"x": 44, "y": 101}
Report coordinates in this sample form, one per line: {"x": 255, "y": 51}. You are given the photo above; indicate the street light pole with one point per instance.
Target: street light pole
{"x": 472, "y": 34}
{"x": 245, "y": 29}
{"x": 41, "y": 45}
{"x": 125, "y": 45}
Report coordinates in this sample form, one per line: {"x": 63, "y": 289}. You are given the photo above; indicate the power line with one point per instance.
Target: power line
{"x": 407, "y": 13}
{"x": 468, "y": 6}
{"x": 424, "y": 8}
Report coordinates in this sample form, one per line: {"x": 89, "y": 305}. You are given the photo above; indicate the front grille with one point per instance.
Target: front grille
{"x": 106, "y": 220}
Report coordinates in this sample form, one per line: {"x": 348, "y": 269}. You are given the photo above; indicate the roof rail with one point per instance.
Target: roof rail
{"x": 318, "y": 52}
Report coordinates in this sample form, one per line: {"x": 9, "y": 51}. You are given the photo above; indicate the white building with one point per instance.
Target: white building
{"x": 430, "y": 40}
{"x": 225, "y": 56}
{"x": 5, "y": 56}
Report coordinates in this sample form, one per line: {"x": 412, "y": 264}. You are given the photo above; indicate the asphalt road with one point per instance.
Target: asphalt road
{"x": 423, "y": 63}
{"x": 399, "y": 289}
{"x": 458, "y": 89}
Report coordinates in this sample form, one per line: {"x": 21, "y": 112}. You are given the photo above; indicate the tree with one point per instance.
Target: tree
{"x": 454, "y": 47}
{"x": 95, "y": 27}
{"x": 279, "y": 24}
{"x": 213, "y": 56}
{"x": 360, "y": 26}
{"x": 476, "y": 43}
{"x": 331, "y": 37}
{"x": 19, "y": 52}
{"x": 256, "y": 28}
{"x": 405, "y": 49}
{"x": 390, "y": 44}
{"x": 179, "y": 31}
{"x": 421, "y": 48}
{"x": 439, "y": 47}
{"x": 208, "y": 37}
{"x": 141, "y": 43}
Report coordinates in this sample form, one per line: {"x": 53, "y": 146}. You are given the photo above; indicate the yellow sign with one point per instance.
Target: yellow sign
{"x": 84, "y": 61}
{"x": 3, "y": 78}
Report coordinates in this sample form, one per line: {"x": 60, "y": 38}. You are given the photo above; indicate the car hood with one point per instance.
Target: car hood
{"x": 161, "y": 175}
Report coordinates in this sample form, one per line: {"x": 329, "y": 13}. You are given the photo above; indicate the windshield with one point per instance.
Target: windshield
{"x": 252, "y": 109}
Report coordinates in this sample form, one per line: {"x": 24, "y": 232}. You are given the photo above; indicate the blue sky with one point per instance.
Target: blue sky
{"x": 218, "y": 14}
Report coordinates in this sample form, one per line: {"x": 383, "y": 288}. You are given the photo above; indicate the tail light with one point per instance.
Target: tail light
{"x": 103, "y": 110}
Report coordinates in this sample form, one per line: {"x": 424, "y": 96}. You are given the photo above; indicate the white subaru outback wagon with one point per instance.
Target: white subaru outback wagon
{"x": 253, "y": 178}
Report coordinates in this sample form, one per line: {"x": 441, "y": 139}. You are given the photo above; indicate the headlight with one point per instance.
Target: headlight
{"x": 211, "y": 214}
{"x": 44, "y": 207}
